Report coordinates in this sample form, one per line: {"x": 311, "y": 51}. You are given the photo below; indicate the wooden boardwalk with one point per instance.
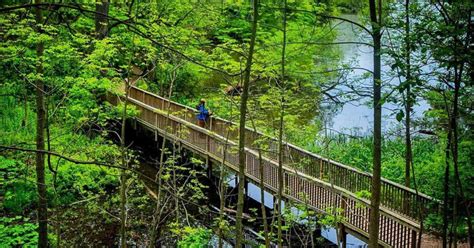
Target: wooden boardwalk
{"x": 308, "y": 178}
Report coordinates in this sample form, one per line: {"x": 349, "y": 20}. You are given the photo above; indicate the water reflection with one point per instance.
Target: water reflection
{"x": 357, "y": 115}
{"x": 329, "y": 234}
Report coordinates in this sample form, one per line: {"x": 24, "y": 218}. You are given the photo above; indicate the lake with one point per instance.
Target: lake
{"x": 358, "y": 115}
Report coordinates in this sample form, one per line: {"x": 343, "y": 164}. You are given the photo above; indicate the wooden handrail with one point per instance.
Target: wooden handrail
{"x": 396, "y": 226}
{"x": 401, "y": 189}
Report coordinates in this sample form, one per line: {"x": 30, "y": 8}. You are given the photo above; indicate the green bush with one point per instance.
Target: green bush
{"x": 19, "y": 197}
{"x": 18, "y": 192}
{"x": 17, "y": 232}
{"x": 195, "y": 238}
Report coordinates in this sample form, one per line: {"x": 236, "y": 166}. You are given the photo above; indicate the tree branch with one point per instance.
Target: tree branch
{"x": 76, "y": 161}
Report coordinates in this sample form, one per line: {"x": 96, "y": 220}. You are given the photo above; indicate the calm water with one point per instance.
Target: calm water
{"x": 357, "y": 115}
{"x": 328, "y": 233}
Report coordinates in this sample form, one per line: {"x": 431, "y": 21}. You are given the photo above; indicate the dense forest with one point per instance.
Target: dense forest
{"x": 78, "y": 168}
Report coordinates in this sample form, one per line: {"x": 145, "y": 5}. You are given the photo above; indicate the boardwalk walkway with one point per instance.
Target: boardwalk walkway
{"x": 308, "y": 178}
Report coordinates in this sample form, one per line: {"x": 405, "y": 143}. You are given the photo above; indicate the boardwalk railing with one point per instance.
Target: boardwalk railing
{"x": 396, "y": 197}
{"x": 308, "y": 178}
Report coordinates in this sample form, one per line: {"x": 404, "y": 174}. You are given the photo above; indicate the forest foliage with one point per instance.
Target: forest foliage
{"x": 192, "y": 50}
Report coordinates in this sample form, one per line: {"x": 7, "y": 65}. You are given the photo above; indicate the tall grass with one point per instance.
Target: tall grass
{"x": 16, "y": 121}
{"x": 357, "y": 152}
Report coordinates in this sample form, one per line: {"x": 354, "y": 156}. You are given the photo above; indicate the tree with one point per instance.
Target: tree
{"x": 124, "y": 163}
{"x": 408, "y": 96}
{"x": 40, "y": 144}
{"x": 376, "y": 23}
{"x": 446, "y": 29}
{"x": 282, "y": 85}
{"x": 242, "y": 130}
{"x": 101, "y": 18}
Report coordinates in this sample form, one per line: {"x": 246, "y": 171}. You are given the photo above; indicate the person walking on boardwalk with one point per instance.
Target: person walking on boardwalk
{"x": 204, "y": 113}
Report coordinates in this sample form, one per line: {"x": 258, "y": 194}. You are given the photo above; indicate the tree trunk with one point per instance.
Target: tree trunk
{"x": 243, "y": 112}
{"x": 280, "y": 133}
{"x": 155, "y": 232}
{"x": 446, "y": 186}
{"x": 123, "y": 175}
{"x": 261, "y": 169}
{"x": 101, "y": 20}
{"x": 222, "y": 190}
{"x": 377, "y": 149}
{"x": 40, "y": 144}
{"x": 408, "y": 100}
{"x": 262, "y": 200}
{"x": 454, "y": 147}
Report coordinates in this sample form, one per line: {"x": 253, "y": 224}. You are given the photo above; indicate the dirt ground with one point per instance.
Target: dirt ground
{"x": 430, "y": 241}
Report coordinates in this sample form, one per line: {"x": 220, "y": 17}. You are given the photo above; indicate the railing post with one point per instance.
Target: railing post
{"x": 178, "y": 135}
{"x": 208, "y": 158}
{"x": 179, "y": 131}
{"x": 321, "y": 171}
{"x": 207, "y": 144}
{"x": 210, "y": 123}
{"x": 406, "y": 203}
{"x": 413, "y": 238}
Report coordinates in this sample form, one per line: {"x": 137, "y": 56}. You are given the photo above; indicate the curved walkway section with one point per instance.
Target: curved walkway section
{"x": 308, "y": 178}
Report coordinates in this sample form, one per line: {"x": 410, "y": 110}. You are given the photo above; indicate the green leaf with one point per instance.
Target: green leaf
{"x": 400, "y": 116}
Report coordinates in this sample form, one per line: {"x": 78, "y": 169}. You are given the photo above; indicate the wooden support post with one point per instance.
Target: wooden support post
{"x": 341, "y": 227}
{"x": 246, "y": 186}
{"x": 209, "y": 167}
{"x": 274, "y": 202}
{"x": 236, "y": 179}
{"x": 342, "y": 235}
{"x": 246, "y": 194}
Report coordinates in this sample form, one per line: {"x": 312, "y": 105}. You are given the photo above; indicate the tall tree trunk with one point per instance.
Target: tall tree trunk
{"x": 377, "y": 149}
{"x": 266, "y": 233}
{"x": 243, "y": 112}
{"x": 123, "y": 175}
{"x": 222, "y": 191}
{"x": 280, "y": 132}
{"x": 408, "y": 99}
{"x": 101, "y": 20}
{"x": 455, "y": 153}
{"x": 261, "y": 169}
{"x": 446, "y": 185}
{"x": 155, "y": 232}
{"x": 40, "y": 144}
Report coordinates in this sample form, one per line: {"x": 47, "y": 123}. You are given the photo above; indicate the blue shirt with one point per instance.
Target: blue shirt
{"x": 203, "y": 112}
